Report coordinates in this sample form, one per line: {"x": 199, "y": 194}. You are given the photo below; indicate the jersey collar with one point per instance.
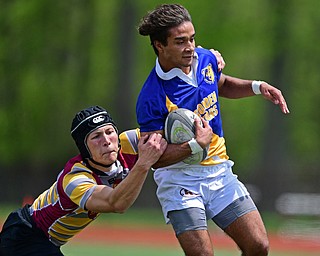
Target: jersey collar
{"x": 177, "y": 72}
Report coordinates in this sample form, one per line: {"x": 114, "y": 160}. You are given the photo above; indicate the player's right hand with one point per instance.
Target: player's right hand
{"x": 151, "y": 147}
{"x": 203, "y": 132}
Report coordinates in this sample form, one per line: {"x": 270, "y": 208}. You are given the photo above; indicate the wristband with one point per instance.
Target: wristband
{"x": 195, "y": 147}
{"x": 256, "y": 86}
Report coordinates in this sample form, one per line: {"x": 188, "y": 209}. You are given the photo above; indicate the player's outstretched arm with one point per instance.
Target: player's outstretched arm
{"x": 235, "y": 88}
{"x": 119, "y": 199}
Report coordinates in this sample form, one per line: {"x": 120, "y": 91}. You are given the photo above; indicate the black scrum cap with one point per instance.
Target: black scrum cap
{"x": 85, "y": 122}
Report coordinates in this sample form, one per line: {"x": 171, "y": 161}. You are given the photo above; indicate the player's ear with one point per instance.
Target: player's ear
{"x": 158, "y": 45}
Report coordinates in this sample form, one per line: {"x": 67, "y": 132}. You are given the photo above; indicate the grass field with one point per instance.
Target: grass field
{"x": 74, "y": 249}
{"x": 106, "y": 236}
{"x": 132, "y": 251}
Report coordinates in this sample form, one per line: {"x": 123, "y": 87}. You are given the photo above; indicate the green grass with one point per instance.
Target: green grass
{"x": 134, "y": 216}
{"x": 74, "y": 249}
{"x": 119, "y": 250}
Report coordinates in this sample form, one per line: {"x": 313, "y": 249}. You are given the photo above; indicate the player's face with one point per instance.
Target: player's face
{"x": 179, "y": 51}
{"x": 103, "y": 144}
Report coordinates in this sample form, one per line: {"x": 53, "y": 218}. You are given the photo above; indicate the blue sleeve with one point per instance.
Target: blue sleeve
{"x": 151, "y": 108}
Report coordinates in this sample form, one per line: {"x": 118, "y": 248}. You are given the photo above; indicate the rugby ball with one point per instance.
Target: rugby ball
{"x": 179, "y": 127}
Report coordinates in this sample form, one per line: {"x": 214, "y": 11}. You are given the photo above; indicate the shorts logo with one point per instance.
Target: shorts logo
{"x": 98, "y": 119}
{"x": 208, "y": 74}
{"x": 188, "y": 193}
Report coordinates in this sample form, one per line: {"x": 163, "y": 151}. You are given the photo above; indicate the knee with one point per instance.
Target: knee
{"x": 263, "y": 247}
{"x": 260, "y": 248}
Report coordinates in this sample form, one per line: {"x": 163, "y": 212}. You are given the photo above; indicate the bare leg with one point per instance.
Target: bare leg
{"x": 249, "y": 233}
{"x": 196, "y": 243}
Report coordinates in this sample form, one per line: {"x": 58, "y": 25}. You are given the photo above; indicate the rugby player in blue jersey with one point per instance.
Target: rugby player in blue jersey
{"x": 103, "y": 178}
{"x": 186, "y": 76}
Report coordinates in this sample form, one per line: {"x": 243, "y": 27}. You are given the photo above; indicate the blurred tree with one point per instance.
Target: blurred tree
{"x": 273, "y": 166}
{"x": 124, "y": 100}
{"x": 47, "y": 74}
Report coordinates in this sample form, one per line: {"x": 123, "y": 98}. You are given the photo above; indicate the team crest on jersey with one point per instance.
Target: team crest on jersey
{"x": 208, "y": 74}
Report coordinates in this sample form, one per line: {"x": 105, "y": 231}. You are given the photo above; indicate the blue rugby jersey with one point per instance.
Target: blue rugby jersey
{"x": 59, "y": 211}
{"x": 198, "y": 91}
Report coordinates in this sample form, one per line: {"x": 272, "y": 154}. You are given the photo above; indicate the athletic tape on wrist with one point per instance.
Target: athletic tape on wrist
{"x": 256, "y": 86}
{"x": 195, "y": 147}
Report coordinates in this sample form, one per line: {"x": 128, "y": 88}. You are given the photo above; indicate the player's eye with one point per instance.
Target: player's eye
{"x": 95, "y": 136}
{"x": 110, "y": 131}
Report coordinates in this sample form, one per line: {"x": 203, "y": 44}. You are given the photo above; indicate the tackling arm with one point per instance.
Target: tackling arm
{"x": 119, "y": 199}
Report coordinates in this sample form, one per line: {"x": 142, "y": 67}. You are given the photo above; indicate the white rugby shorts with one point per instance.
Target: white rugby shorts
{"x": 211, "y": 188}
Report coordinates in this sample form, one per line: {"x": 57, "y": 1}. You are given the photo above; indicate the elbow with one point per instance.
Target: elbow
{"x": 120, "y": 208}
{"x": 112, "y": 208}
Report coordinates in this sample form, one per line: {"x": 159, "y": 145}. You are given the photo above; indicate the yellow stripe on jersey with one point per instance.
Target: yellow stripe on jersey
{"x": 67, "y": 226}
{"x": 48, "y": 197}
{"x": 170, "y": 106}
{"x": 77, "y": 184}
{"x": 218, "y": 150}
{"x": 129, "y": 141}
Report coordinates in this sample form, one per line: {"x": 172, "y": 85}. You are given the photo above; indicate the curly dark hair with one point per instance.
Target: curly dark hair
{"x": 157, "y": 22}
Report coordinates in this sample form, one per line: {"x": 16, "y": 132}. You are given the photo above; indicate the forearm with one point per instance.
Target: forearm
{"x": 235, "y": 88}
{"x": 173, "y": 154}
{"x": 126, "y": 193}
{"x": 119, "y": 199}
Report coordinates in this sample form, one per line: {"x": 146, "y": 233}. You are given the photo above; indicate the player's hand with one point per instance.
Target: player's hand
{"x": 150, "y": 148}
{"x": 220, "y": 60}
{"x": 273, "y": 94}
{"x": 203, "y": 132}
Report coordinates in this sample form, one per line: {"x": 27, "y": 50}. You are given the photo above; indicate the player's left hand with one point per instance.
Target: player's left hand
{"x": 220, "y": 60}
{"x": 275, "y": 95}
